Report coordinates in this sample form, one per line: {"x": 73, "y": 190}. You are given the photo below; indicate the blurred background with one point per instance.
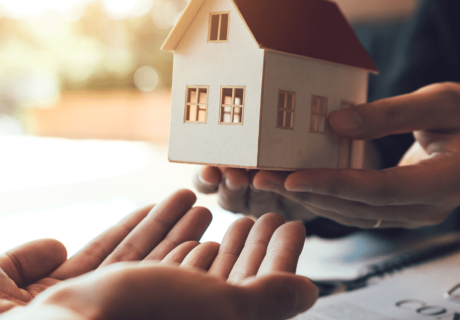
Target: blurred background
{"x": 94, "y": 69}
{"x": 86, "y": 68}
{"x": 84, "y": 111}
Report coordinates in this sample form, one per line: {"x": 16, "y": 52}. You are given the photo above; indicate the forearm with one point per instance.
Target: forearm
{"x": 41, "y": 312}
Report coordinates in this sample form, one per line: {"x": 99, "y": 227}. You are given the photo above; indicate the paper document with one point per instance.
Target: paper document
{"x": 416, "y": 293}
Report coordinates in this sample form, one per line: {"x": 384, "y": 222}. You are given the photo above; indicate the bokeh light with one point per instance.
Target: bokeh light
{"x": 120, "y": 9}
{"x": 166, "y": 13}
{"x": 52, "y": 49}
{"x": 31, "y": 8}
{"x": 146, "y": 78}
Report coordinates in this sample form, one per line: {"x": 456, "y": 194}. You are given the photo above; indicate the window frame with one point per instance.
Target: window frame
{"x": 220, "y": 13}
{"x": 232, "y": 106}
{"x": 286, "y": 110}
{"x": 197, "y": 104}
{"x": 318, "y": 114}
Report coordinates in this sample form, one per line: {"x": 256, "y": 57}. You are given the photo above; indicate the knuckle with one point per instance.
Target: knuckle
{"x": 16, "y": 263}
{"x": 128, "y": 252}
{"x": 384, "y": 194}
{"x": 335, "y": 189}
{"x": 392, "y": 114}
{"x": 303, "y": 196}
{"x": 449, "y": 92}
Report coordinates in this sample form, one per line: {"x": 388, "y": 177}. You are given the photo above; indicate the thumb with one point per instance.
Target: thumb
{"x": 33, "y": 261}
{"x": 278, "y": 296}
{"x": 432, "y": 107}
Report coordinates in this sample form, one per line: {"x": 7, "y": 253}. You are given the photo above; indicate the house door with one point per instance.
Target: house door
{"x": 345, "y": 145}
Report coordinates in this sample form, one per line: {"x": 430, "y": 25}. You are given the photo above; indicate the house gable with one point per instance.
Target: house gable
{"x": 234, "y": 65}
{"x": 186, "y": 19}
{"x": 311, "y": 28}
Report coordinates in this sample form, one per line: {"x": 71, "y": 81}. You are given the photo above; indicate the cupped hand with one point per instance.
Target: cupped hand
{"x": 236, "y": 193}
{"x": 150, "y": 233}
{"x": 249, "y": 276}
{"x": 421, "y": 191}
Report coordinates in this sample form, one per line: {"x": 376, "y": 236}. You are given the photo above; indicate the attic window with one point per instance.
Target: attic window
{"x": 218, "y": 27}
{"x": 196, "y": 106}
{"x": 232, "y": 105}
{"x": 286, "y": 104}
{"x": 318, "y": 114}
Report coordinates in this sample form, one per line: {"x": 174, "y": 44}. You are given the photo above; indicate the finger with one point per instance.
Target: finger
{"x": 351, "y": 213}
{"x": 346, "y": 212}
{"x": 33, "y": 261}
{"x": 358, "y": 210}
{"x": 95, "y": 252}
{"x": 230, "y": 248}
{"x": 284, "y": 249}
{"x": 153, "y": 229}
{"x": 259, "y": 202}
{"x": 202, "y": 256}
{"x": 425, "y": 183}
{"x": 180, "y": 252}
{"x": 255, "y": 247}
{"x": 207, "y": 180}
{"x": 364, "y": 223}
{"x": 276, "y": 296}
{"x": 355, "y": 214}
{"x": 272, "y": 183}
{"x": 189, "y": 228}
{"x": 433, "y": 107}
{"x": 295, "y": 210}
{"x": 233, "y": 189}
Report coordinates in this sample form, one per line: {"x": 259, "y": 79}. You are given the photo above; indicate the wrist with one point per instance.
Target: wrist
{"x": 42, "y": 312}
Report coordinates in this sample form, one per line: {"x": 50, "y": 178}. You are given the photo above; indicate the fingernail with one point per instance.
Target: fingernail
{"x": 299, "y": 187}
{"x": 231, "y": 185}
{"x": 201, "y": 179}
{"x": 345, "y": 119}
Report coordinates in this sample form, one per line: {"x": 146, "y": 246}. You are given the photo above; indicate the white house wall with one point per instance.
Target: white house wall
{"x": 298, "y": 148}
{"x": 238, "y": 62}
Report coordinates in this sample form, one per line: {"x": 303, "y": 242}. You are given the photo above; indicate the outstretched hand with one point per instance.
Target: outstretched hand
{"x": 422, "y": 190}
{"x": 248, "y": 249}
{"x": 147, "y": 234}
{"x": 249, "y": 276}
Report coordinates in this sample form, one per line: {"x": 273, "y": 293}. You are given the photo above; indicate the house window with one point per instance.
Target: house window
{"x": 318, "y": 114}
{"x": 218, "y": 27}
{"x": 196, "y": 107}
{"x": 286, "y": 104}
{"x": 232, "y": 105}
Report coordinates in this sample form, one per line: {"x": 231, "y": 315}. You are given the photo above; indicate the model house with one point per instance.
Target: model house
{"x": 254, "y": 81}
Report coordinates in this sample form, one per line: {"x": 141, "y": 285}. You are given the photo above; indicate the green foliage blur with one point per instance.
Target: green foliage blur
{"x": 94, "y": 52}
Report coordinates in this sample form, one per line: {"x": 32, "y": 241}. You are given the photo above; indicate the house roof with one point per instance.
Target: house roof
{"x": 311, "y": 28}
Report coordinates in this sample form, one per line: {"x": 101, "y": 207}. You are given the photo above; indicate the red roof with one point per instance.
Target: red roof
{"x": 311, "y": 28}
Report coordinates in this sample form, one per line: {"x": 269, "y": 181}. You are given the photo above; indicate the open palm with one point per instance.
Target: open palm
{"x": 250, "y": 276}
{"x": 147, "y": 234}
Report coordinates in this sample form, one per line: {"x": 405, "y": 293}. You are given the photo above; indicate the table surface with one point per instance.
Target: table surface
{"x": 72, "y": 190}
